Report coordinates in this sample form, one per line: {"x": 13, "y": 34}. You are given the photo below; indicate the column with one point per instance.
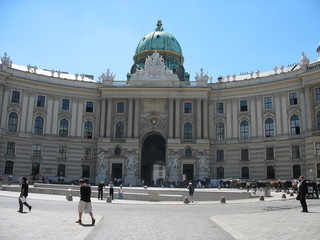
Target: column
{"x": 170, "y": 113}
{"x": 136, "y": 116}
{"x": 49, "y": 114}
{"x": 277, "y": 107}
{"x": 210, "y": 123}
{"x": 284, "y": 109}
{"x": 130, "y": 117}
{"x": 177, "y": 118}
{"x": 258, "y": 118}
{"x": 55, "y": 116}
{"x": 4, "y": 113}
{"x": 25, "y": 105}
{"x": 79, "y": 118}
{"x": 235, "y": 124}
{"x": 205, "y": 118}
{"x": 306, "y": 117}
{"x": 1, "y": 100}
{"x": 102, "y": 117}
{"x": 229, "y": 113}
{"x": 73, "y": 121}
{"x": 30, "y": 112}
{"x": 199, "y": 123}
{"x": 109, "y": 112}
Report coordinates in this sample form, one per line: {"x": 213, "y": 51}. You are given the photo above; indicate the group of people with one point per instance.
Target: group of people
{"x": 85, "y": 196}
{"x": 101, "y": 187}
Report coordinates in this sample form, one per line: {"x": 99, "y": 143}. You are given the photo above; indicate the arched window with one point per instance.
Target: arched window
{"x": 318, "y": 121}
{"x": 296, "y": 170}
{"x": 244, "y": 129}
{"x": 38, "y": 125}
{"x": 117, "y": 151}
{"x": 85, "y": 171}
{"x": 269, "y": 127}
{"x": 88, "y": 129}
{"x": 188, "y": 152}
{"x": 61, "y": 171}
{"x": 271, "y": 172}
{"x": 8, "y": 167}
{"x": 245, "y": 173}
{"x": 187, "y": 130}
{"x": 120, "y": 130}
{"x": 13, "y": 122}
{"x": 220, "y": 130}
{"x": 295, "y": 125}
{"x": 64, "y": 128}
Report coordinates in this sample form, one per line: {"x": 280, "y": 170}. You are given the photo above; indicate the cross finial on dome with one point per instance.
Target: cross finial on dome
{"x": 159, "y": 26}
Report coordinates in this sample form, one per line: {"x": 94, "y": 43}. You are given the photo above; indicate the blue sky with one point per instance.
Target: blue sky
{"x": 222, "y": 37}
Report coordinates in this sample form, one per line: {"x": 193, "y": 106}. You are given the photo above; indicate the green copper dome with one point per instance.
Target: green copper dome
{"x": 159, "y": 40}
{"x": 166, "y": 45}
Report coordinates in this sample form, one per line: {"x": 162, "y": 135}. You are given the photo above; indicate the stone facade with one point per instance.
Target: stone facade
{"x": 258, "y": 126}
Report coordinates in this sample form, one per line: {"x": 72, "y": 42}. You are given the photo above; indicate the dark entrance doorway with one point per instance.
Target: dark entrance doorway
{"x": 153, "y": 152}
{"x": 117, "y": 173}
{"x": 188, "y": 172}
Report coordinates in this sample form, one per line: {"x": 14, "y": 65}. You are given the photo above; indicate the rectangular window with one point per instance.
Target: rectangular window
{"x": 89, "y": 106}
{"x": 61, "y": 171}
{"x": 36, "y": 151}
{"x": 87, "y": 153}
{"x": 219, "y": 106}
{"x": 220, "y": 155}
{"x": 244, "y": 154}
{"x": 41, "y": 100}
{"x": 317, "y": 149}
{"x": 293, "y": 98}
{"x": 317, "y": 94}
{"x": 65, "y": 104}
{"x": 270, "y": 153}
{"x": 187, "y": 107}
{"x": 120, "y": 107}
{"x": 62, "y": 152}
{"x": 15, "y": 98}
{"x": 11, "y": 148}
{"x": 243, "y": 105}
{"x": 296, "y": 151}
{"x": 268, "y": 102}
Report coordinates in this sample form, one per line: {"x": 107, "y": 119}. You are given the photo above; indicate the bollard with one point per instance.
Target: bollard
{"x": 186, "y": 200}
{"x": 284, "y": 195}
{"x": 261, "y": 198}
{"x": 109, "y": 200}
{"x": 69, "y": 195}
{"x": 291, "y": 194}
{"x": 222, "y": 200}
{"x": 288, "y": 192}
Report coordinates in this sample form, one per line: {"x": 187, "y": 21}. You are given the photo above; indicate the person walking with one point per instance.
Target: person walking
{"x": 111, "y": 190}
{"x": 23, "y": 195}
{"x": 191, "y": 191}
{"x": 120, "y": 192}
{"x": 302, "y": 193}
{"x": 101, "y": 187}
{"x": 85, "y": 202}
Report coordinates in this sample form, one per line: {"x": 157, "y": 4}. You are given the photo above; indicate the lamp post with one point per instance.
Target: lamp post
{"x": 82, "y": 170}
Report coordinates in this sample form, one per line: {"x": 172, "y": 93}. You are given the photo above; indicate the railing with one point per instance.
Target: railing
{"x": 313, "y": 66}
{"x": 181, "y": 85}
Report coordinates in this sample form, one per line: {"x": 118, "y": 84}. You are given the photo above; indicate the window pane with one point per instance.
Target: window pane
{"x": 293, "y": 98}
{"x": 220, "y": 131}
{"x": 120, "y": 130}
{"x": 15, "y": 98}
{"x": 8, "y": 168}
{"x": 41, "y": 101}
{"x": 270, "y": 153}
{"x": 89, "y": 106}
{"x": 63, "y": 129}
{"x": 11, "y": 148}
{"x": 220, "y": 155}
{"x": 269, "y": 127}
{"x": 120, "y": 107}
{"x": 295, "y": 125}
{"x": 244, "y": 129}
{"x": 267, "y": 102}
{"x": 87, "y": 153}
{"x": 317, "y": 94}
{"x": 188, "y": 107}
{"x": 13, "y": 122}
{"x": 187, "y": 130}
{"x": 38, "y": 125}
{"x": 65, "y": 105}
{"x": 244, "y": 154}
{"x": 243, "y": 105}
{"x": 88, "y": 129}
{"x": 296, "y": 151}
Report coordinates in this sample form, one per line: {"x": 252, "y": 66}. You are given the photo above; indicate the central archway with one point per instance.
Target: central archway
{"x": 153, "y": 152}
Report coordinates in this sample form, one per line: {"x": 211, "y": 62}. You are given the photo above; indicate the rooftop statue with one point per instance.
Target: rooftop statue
{"x": 304, "y": 60}
{"x": 6, "y": 60}
{"x": 107, "y": 77}
{"x": 154, "y": 60}
{"x": 202, "y": 77}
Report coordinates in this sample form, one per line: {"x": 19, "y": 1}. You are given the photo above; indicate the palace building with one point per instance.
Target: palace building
{"x": 160, "y": 125}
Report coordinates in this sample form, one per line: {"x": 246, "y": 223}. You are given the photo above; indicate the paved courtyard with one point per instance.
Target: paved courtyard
{"x": 52, "y": 217}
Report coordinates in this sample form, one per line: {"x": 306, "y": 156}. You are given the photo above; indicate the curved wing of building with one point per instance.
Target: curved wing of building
{"x": 158, "y": 127}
